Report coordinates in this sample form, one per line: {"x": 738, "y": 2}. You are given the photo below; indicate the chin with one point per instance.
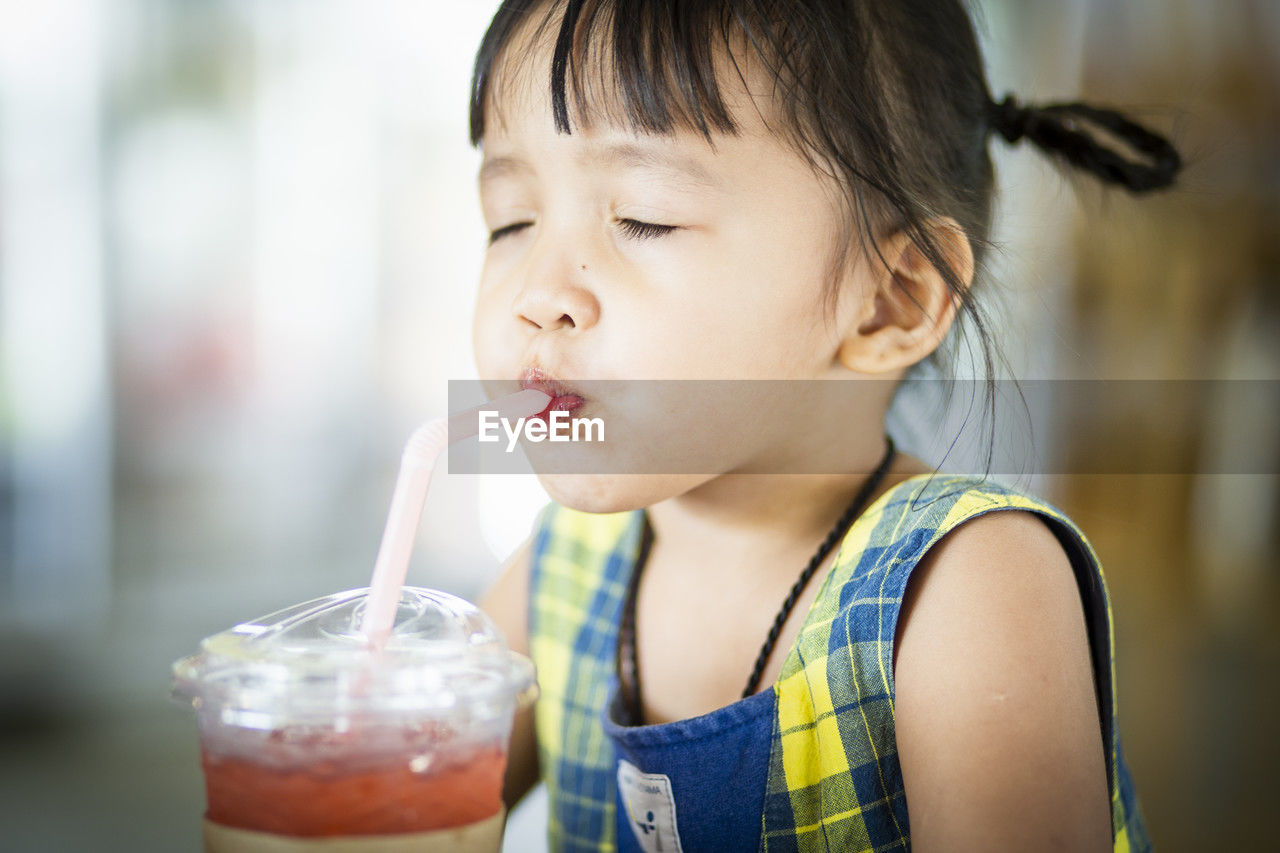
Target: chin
{"x": 607, "y": 493}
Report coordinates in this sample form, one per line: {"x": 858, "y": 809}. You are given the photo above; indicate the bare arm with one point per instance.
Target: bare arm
{"x": 996, "y": 715}
{"x": 507, "y": 602}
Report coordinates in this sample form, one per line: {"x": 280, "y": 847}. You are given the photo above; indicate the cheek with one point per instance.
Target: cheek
{"x": 783, "y": 275}
{"x": 487, "y": 335}
{"x": 752, "y": 306}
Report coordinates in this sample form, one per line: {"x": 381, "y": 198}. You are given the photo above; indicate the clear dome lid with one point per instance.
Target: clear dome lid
{"x": 444, "y": 659}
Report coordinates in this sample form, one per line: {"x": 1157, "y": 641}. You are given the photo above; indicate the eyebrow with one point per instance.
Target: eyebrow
{"x": 625, "y": 154}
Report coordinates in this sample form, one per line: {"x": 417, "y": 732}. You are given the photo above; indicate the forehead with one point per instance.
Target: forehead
{"x": 603, "y": 101}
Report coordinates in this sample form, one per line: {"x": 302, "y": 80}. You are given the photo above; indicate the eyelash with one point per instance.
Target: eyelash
{"x": 630, "y": 227}
{"x": 643, "y": 230}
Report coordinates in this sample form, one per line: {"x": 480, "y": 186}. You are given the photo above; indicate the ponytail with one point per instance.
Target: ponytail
{"x": 1056, "y": 129}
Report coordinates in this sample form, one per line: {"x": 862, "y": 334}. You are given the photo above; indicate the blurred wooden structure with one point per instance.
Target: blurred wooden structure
{"x": 1186, "y": 285}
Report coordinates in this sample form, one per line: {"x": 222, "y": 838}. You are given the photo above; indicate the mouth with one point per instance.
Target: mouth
{"x": 564, "y": 397}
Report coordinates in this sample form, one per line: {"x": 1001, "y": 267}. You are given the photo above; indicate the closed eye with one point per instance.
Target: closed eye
{"x": 643, "y": 230}
{"x": 629, "y": 227}
{"x": 495, "y": 236}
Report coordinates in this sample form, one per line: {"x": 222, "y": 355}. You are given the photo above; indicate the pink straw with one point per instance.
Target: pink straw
{"x": 416, "y": 464}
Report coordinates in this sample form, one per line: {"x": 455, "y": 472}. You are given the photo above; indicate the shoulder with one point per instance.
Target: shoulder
{"x": 1000, "y": 576}
{"x": 953, "y": 534}
{"x": 579, "y": 563}
{"x": 559, "y": 529}
{"x": 996, "y": 709}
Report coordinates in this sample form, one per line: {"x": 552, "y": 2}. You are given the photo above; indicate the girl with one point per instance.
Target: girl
{"x": 794, "y": 190}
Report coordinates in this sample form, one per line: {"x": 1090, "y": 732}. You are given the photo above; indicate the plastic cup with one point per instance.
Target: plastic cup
{"x": 311, "y": 740}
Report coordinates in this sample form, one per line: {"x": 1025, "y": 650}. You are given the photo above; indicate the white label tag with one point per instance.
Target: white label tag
{"x": 651, "y": 808}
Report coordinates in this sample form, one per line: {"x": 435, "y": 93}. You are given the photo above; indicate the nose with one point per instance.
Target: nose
{"x": 555, "y": 298}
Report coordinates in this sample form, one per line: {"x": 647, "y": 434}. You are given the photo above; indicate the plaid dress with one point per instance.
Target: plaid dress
{"x": 833, "y": 781}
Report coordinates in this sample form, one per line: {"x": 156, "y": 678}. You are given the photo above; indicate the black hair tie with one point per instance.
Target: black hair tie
{"x": 1054, "y": 128}
{"x": 1010, "y": 119}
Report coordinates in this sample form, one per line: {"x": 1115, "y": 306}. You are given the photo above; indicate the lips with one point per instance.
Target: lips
{"x": 564, "y": 397}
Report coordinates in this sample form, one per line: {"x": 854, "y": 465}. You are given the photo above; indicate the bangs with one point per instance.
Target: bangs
{"x": 652, "y": 66}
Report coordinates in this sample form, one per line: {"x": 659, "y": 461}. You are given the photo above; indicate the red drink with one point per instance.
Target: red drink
{"x": 326, "y": 799}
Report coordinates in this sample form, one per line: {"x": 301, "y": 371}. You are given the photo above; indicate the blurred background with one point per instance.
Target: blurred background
{"x": 239, "y": 244}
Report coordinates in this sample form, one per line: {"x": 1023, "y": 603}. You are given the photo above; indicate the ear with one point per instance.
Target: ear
{"x": 906, "y": 306}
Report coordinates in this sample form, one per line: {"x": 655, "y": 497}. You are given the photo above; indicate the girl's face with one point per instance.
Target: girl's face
{"x": 655, "y": 257}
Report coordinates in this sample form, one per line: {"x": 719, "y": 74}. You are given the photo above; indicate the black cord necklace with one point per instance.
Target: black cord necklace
{"x": 628, "y": 669}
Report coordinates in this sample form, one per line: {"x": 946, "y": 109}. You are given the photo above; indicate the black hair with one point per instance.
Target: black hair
{"x": 887, "y": 97}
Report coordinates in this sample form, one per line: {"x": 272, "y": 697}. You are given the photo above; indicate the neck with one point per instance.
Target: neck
{"x": 763, "y": 517}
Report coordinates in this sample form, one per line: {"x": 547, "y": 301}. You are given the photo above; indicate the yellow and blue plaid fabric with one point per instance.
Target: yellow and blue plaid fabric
{"x": 833, "y": 781}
